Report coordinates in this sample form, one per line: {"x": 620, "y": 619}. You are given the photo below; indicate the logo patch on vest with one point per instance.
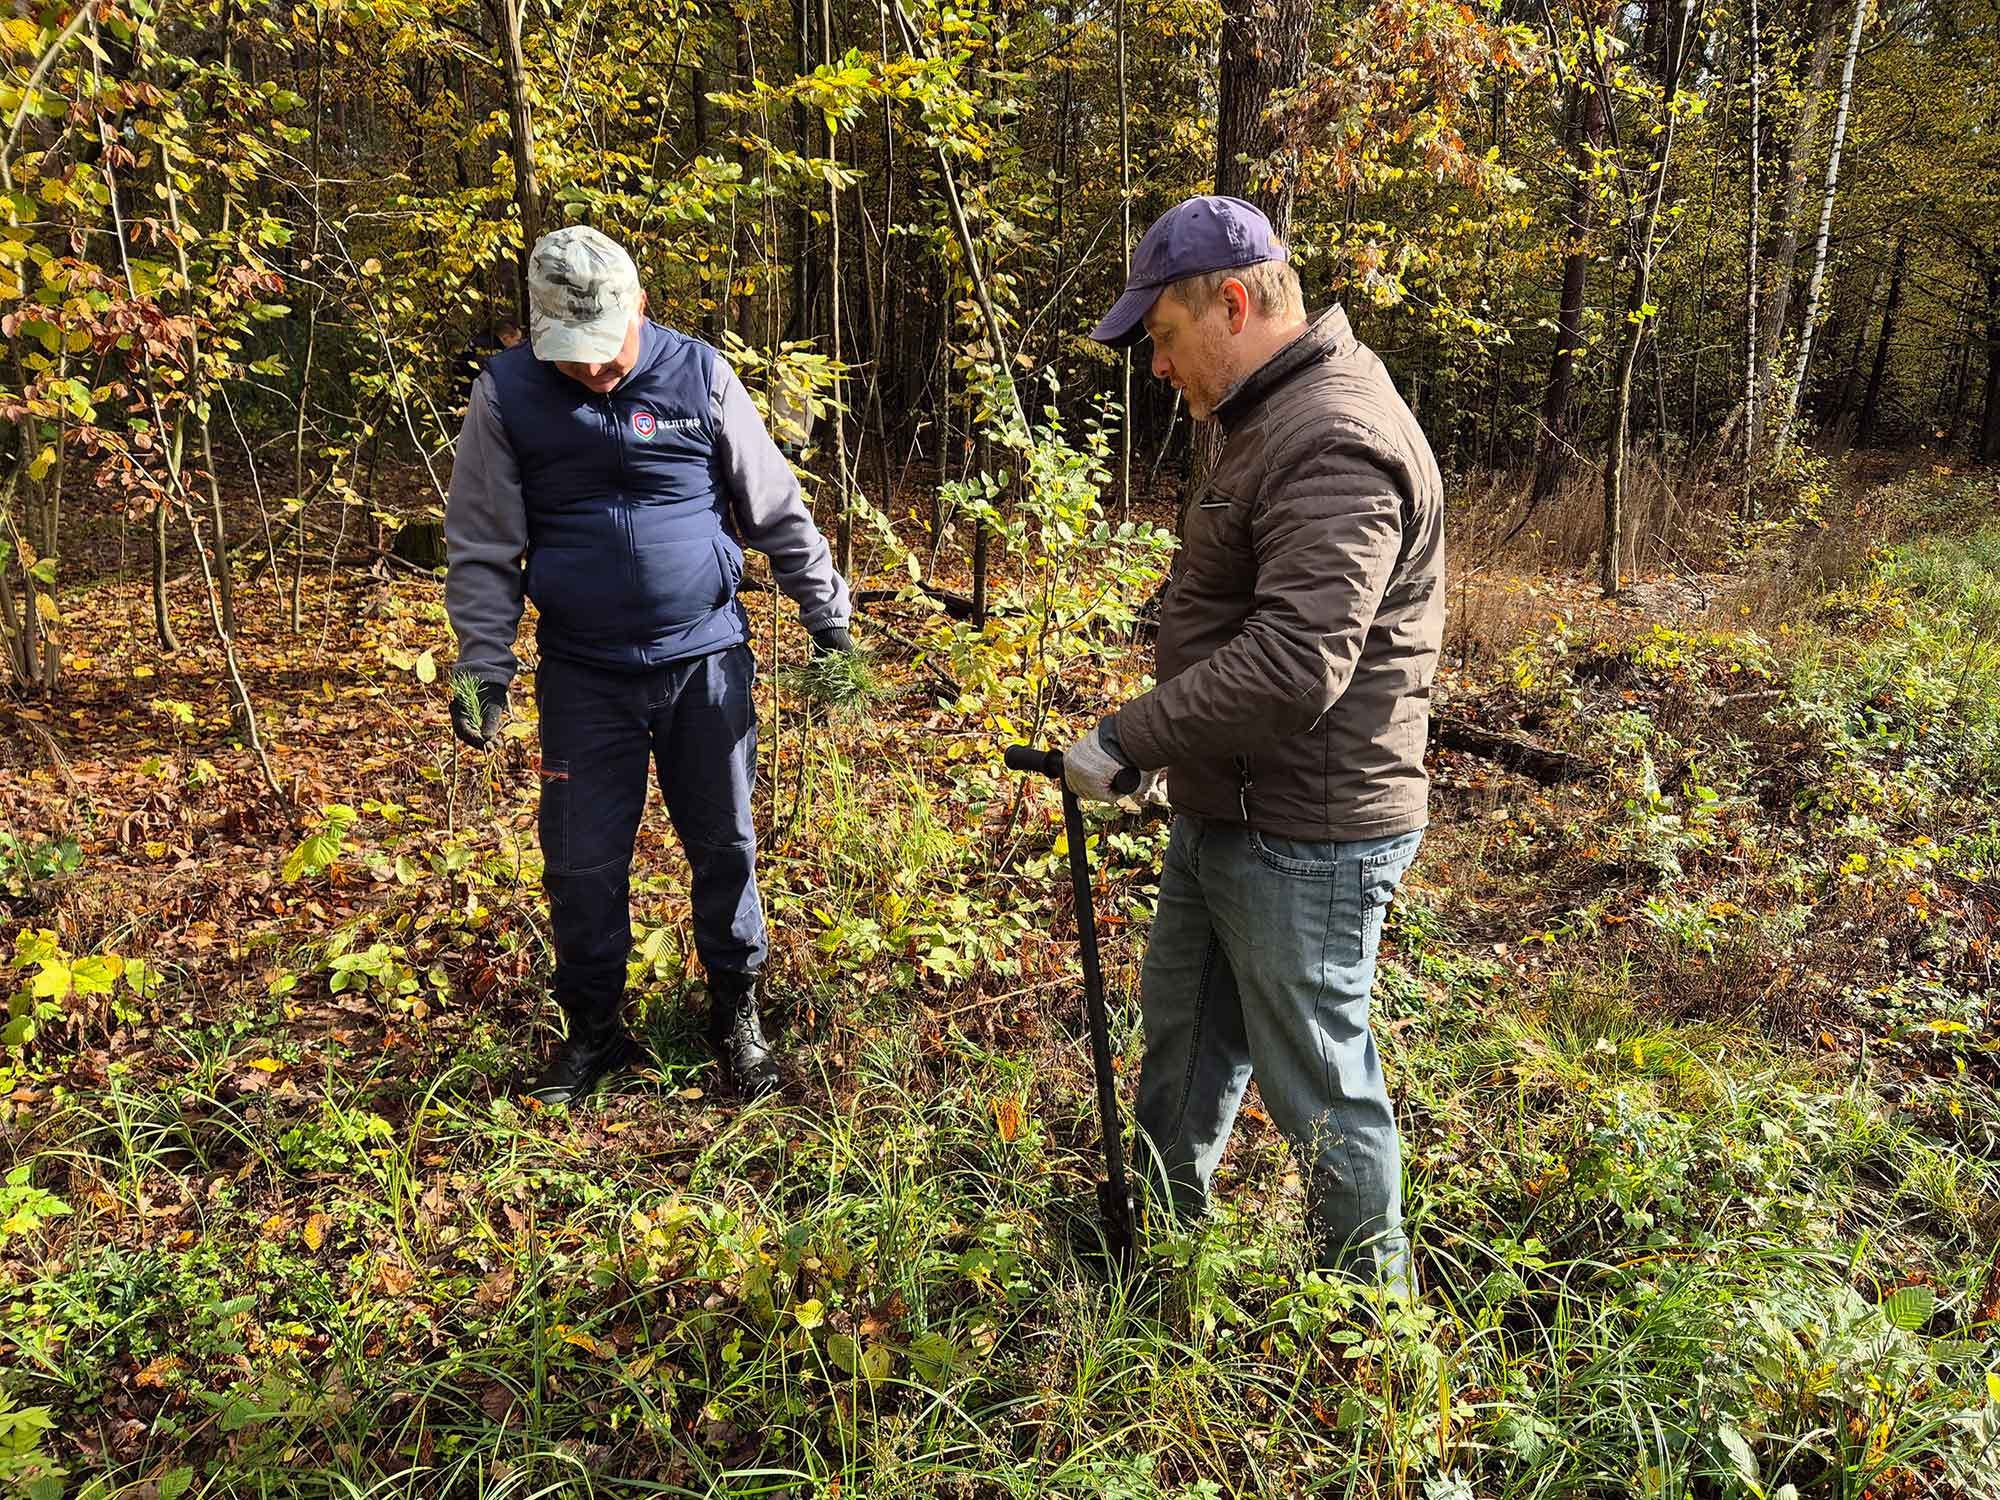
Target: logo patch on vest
{"x": 645, "y": 424}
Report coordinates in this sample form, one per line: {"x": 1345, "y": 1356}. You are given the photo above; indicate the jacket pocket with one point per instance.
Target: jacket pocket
{"x": 729, "y": 565}
{"x": 681, "y": 580}
{"x": 1216, "y": 549}
{"x": 578, "y": 588}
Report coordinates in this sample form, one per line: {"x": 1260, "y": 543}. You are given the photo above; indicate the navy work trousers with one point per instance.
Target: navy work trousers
{"x": 694, "y": 722}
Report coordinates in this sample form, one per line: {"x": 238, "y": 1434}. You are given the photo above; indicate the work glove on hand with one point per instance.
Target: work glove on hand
{"x": 1092, "y": 771}
{"x": 830, "y": 640}
{"x": 483, "y": 728}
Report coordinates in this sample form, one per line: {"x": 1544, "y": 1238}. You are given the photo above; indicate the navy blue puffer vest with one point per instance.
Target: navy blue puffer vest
{"x": 631, "y": 558}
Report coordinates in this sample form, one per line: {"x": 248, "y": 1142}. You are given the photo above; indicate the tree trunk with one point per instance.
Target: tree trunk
{"x": 1871, "y": 400}
{"x": 1587, "y": 140}
{"x": 1989, "y": 427}
{"x": 1825, "y": 225}
{"x": 521, "y": 126}
{"x": 843, "y": 523}
{"x": 805, "y": 274}
{"x": 712, "y": 298}
{"x": 163, "y": 624}
{"x": 1125, "y": 243}
{"x": 1642, "y": 245}
{"x": 1835, "y": 414}
{"x": 1755, "y": 219}
{"x": 1797, "y": 164}
{"x": 1957, "y": 351}
{"x": 1263, "y": 53}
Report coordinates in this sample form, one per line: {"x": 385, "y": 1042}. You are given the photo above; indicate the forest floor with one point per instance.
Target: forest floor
{"x": 1690, "y": 1031}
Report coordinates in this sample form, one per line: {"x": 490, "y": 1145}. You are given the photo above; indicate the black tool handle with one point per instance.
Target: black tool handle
{"x": 1049, "y": 763}
{"x": 1114, "y": 1194}
{"x": 1035, "y": 762}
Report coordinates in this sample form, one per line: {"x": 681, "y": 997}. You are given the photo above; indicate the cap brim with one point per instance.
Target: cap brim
{"x": 573, "y": 343}
{"x": 1125, "y": 324}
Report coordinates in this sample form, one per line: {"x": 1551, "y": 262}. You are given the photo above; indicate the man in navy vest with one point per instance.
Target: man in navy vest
{"x": 612, "y": 471}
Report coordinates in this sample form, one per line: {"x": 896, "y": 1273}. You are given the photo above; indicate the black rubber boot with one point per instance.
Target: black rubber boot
{"x": 736, "y": 1034}
{"x": 590, "y": 1055}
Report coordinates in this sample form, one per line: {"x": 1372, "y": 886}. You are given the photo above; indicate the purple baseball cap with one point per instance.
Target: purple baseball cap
{"x": 1203, "y": 234}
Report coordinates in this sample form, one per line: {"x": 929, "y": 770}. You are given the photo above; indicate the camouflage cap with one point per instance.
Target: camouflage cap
{"x": 583, "y": 292}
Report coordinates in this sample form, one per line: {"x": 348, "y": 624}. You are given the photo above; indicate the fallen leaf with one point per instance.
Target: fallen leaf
{"x": 314, "y": 1233}
{"x": 155, "y": 1374}
{"x": 1007, "y": 1116}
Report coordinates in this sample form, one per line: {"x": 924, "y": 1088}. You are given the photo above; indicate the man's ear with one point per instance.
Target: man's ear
{"x": 642, "y": 302}
{"x": 1236, "y": 304}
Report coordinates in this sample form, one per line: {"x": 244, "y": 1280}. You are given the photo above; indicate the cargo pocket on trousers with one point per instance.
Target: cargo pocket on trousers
{"x": 552, "y": 821}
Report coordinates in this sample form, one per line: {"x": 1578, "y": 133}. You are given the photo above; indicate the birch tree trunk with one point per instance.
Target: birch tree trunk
{"x": 1784, "y": 254}
{"x": 1818, "y": 282}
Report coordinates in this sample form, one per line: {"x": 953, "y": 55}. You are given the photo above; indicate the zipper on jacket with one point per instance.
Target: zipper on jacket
{"x": 612, "y": 427}
{"x": 1243, "y": 787}
{"x": 619, "y": 508}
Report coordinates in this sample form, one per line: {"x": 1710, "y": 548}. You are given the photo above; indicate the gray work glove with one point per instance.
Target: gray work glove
{"x": 1092, "y": 771}
{"x": 478, "y": 729}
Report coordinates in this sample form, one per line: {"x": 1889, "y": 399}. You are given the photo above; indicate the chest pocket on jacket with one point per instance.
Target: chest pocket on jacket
{"x": 1216, "y": 548}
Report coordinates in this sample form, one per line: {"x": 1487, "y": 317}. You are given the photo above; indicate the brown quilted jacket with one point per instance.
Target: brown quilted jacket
{"x": 1300, "y": 628}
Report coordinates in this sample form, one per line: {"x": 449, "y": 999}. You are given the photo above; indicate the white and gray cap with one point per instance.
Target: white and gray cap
{"x": 583, "y": 292}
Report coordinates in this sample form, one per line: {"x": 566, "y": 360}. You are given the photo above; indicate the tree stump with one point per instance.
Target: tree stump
{"x": 419, "y": 542}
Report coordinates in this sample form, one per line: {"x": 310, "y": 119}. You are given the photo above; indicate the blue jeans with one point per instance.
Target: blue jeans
{"x": 1261, "y": 960}
{"x": 692, "y": 722}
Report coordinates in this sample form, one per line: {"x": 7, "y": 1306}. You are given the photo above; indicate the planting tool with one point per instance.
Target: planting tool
{"x": 1114, "y": 1193}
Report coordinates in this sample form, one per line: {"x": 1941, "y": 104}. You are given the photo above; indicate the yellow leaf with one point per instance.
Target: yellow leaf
{"x": 1993, "y": 1386}
{"x": 44, "y": 461}
{"x": 314, "y": 1234}
{"x": 1007, "y": 1116}
{"x": 46, "y": 608}
{"x": 142, "y": 671}
{"x": 427, "y": 668}
{"x": 810, "y": 1313}
{"x": 267, "y": 1065}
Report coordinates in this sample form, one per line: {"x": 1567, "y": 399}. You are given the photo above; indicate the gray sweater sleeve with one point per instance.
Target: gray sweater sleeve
{"x": 770, "y": 512}
{"x": 486, "y": 536}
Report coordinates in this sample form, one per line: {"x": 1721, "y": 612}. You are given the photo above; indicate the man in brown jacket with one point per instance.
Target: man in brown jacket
{"x": 1298, "y": 639}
